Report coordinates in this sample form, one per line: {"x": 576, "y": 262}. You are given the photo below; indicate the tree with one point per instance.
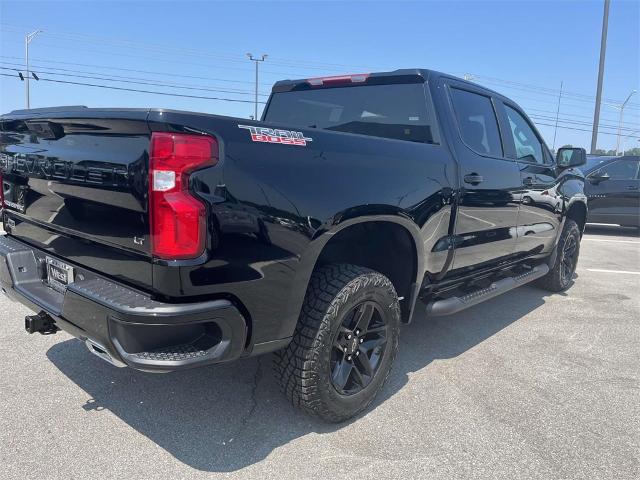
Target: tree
{"x": 600, "y": 151}
{"x": 632, "y": 151}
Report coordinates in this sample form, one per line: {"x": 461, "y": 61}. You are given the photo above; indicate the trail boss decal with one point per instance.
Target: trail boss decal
{"x": 270, "y": 135}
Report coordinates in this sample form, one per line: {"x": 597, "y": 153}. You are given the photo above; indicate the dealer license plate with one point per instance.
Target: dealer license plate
{"x": 59, "y": 274}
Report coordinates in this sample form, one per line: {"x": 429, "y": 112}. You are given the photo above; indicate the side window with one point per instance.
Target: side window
{"x": 477, "y": 122}
{"x": 624, "y": 170}
{"x": 528, "y": 147}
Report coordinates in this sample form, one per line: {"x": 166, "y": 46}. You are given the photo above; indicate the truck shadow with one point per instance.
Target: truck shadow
{"x": 226, "y": 417}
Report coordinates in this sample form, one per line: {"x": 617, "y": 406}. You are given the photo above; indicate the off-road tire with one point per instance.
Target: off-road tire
{"x": 303, "y": 368}
{"x": 554, "y": 281}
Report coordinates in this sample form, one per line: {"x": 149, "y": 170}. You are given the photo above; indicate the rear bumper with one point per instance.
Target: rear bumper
{"x": 120, "y": 324}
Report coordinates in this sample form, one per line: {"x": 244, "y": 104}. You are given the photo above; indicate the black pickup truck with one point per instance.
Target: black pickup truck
{"x": 167, "y": 239}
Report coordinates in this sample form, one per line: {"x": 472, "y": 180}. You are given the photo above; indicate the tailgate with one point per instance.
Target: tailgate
{"x": 75, "y": 184}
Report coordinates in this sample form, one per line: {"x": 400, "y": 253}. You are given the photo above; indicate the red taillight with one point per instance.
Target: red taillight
{"x": 353, "y": 78}
{"x": 178, "y": 220}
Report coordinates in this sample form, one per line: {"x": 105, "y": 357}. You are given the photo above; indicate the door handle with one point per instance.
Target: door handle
{"x": 527, "y": 181}
{"x": 632, "y": 187}
{"x": 473, "y": 179}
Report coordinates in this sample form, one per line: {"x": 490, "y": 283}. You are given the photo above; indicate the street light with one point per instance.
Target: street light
{"x": 264, "y": 55}
{"x": 621, "y": 108}
{"x": 27, "y": 41}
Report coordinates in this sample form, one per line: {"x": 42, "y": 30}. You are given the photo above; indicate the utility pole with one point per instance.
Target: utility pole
{"x": 603, "y": 50}
{"x": 27, "y": 41}
{"x": 557, "y": 115}
{"x": 621, "y": 107}
{"x": 256, "y": 60}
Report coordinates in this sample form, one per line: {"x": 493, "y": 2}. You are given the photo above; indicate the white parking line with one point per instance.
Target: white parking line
{"x": 612, "y": 271}
{"x": 612, "y": 241}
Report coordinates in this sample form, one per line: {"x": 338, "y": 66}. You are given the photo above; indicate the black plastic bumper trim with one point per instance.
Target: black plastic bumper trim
{"x": 92, "y": 309}
{"x": 129, "y": 302}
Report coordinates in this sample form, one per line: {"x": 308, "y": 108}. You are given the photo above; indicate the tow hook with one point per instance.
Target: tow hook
{"x": 41, "y": 323}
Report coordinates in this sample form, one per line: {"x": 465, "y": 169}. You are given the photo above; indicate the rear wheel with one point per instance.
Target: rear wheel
{"x": 344, "y": 344}
{"x": 566, "y": 259}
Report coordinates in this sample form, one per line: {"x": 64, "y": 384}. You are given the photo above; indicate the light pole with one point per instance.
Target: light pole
{"x": 256, "y": 60}
{"x": 27, "y": 41}
{"x": 621, "y": 107}
{"x": 555, "y": 131}
{"x": 603, "y": 50}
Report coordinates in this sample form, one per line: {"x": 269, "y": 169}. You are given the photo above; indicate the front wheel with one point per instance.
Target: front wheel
{"x": 344, "y": 345}
{"x": 566, "y": 259}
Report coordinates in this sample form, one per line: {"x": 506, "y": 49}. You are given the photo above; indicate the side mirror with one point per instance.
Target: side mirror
{"x": 571, "y": 157}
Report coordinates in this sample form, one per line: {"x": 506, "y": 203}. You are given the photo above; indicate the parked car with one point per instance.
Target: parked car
{"x": 167, "y": 240}
{"x": 613, "y": 190}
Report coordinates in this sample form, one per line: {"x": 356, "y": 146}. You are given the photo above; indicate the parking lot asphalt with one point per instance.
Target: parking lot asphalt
{"x": 527, "y": 385}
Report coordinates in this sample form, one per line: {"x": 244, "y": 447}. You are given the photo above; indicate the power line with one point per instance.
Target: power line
{"x": 580, "y": 129}
{"x": 139, "y": 91}
{"x": 513, "y": 85}
{"x": 46, "y": 69}
{"x": 16, "y": 65}
{"x": 509, "y": 84}
{"x": 555, "y": 95}
{"x": 122, "y": 43}
{"x": 274, "y": 60}
{"x": 574, "y": 116}
{"x": 516, "y": 96}
{"x": 549, "y": 91}
{"x": 143, "y": 82}
{"x": 561, "y": 114}
{"x": 104, "y": 67}
{"x": 538, "y": 116}
{"x": 243, "y": 101}
{"x": 165, "y": 59}
{"x": 577, "y": 122}
{"x": 537, "y": 100}
{"x": 163, "y": 47}
{"x": 132, "y": 80}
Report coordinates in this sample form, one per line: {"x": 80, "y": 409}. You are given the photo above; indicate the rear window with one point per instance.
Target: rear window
{"x": 393, "y": 111}
{"x": 477, "y": 122}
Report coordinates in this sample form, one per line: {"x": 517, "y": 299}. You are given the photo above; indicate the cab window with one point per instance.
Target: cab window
{"x": 477, "y": 122}
{"x": 528, "y": 146}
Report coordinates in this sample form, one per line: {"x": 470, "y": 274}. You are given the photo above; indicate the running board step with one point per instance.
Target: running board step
{"x": 447, "y": 306}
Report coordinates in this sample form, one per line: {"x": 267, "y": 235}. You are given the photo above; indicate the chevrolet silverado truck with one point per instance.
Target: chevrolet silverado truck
{"x": 166, "y": 240}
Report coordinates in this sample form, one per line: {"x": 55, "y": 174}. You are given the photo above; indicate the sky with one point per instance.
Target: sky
{"x": 522, "y": 49}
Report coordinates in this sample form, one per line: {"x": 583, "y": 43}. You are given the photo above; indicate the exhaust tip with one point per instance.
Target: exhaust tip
{"x": 99, "y": 351}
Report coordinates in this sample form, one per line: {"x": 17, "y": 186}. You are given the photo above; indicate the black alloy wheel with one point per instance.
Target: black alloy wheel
{"x": 569, "y": 259}
{"x": 564, "y": 259}
{"x": 358, "y": 347}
